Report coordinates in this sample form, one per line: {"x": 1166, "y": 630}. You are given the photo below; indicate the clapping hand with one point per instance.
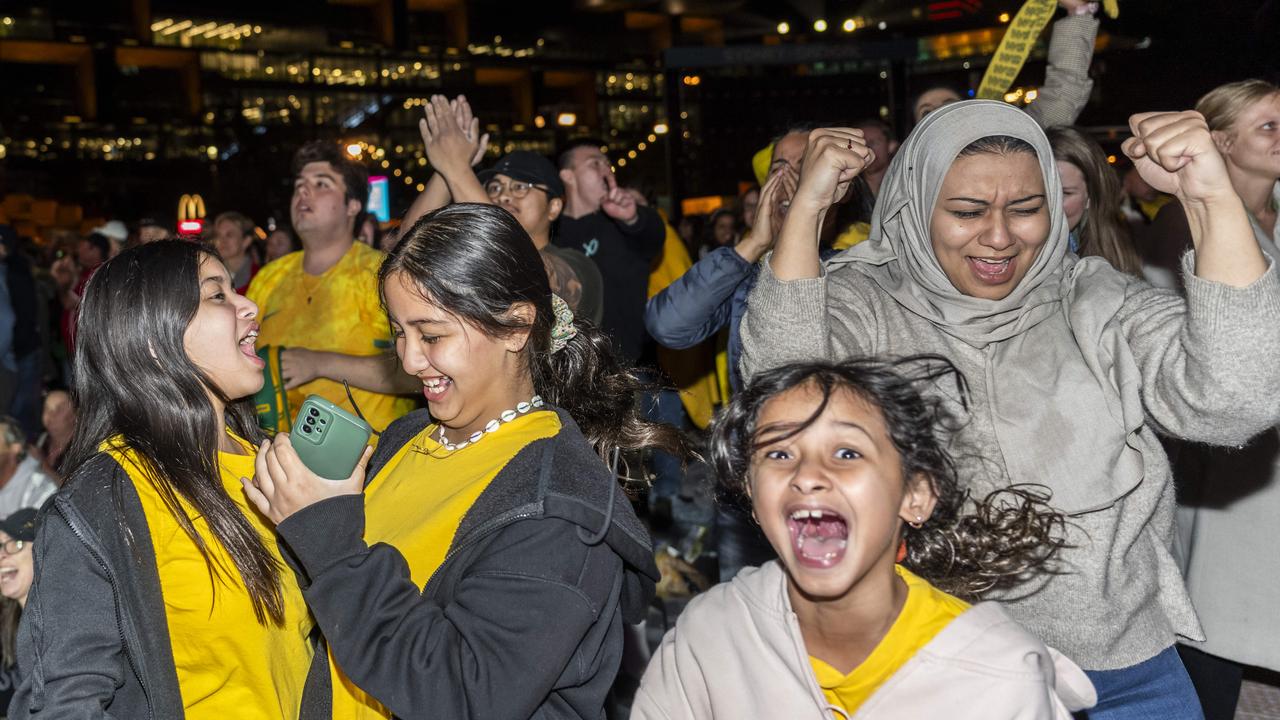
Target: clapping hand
{"x": 451, "y": 134}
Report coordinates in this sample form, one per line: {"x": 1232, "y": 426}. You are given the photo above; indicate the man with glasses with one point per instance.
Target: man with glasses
{"x": 526, "y": 185}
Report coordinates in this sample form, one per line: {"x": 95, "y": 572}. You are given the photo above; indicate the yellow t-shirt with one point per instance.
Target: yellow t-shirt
{"x": 416, "y": 504}
{"x": 925, "y": 613}
{"x": 228, "y": 665}
{"x": 337, "y": 311}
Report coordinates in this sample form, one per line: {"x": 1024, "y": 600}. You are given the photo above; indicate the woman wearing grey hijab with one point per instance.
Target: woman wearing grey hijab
{"x": 1073, "y": 366}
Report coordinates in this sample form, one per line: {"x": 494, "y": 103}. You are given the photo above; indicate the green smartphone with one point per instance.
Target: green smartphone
{"x": 329, "y": 440}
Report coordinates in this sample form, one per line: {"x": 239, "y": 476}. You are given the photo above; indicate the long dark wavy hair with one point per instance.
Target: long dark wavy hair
{"x": 475, "y": 261}
{"x": 966, "y": 551}
{"x": 133, "y": 379}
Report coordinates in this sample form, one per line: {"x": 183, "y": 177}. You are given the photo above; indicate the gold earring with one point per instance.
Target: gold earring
{"x": 919, "y": 522}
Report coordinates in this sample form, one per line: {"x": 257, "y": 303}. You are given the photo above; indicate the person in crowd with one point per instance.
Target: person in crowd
{"x": 23, "y": 482}
{"x": 721, "y": 231}
{"x": 852, "y": 219}
{"x": 882, "y": 141}
{"x": 523, "y": 183}
{"x": 281, "y": 242}
{"x": 116, "y": 233}
{"x": 321, "y": 305}
{"x": 1142, "y": 200}
{"x": 370, "y": 234}
{"x": 159, "y": 591}
{"x": 1073, "y": 364}
{"x": 1091, "y": 201}
{"x": 151, "y": 228}
{"x": 711, "y": 297}
{"x": 1231, "y": 497}
{"x": 28, "y": 345}
{"x": 233, "y": 238}
{"x": 690, "y": 230}
{"x": 72, "y": 275}
{"x": 1066, "y": 80}
{"x": 500, "y": 587}
{"x": 603, "y": 222}
{"x": 847, "y": 470}
{"x": 58, "y": 418}
{"x": 712, "y": 294}
{"x": 748, "y": 205}
{"x": 17, "y": 532}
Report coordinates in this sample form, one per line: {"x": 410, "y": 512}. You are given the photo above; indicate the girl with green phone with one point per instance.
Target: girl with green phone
{"x": 488, "y": 566}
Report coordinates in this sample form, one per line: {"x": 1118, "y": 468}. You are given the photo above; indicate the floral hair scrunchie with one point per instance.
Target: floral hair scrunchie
{"x": 564, "y": 330}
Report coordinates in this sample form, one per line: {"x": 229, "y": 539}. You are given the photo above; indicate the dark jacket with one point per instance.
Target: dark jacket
{"x": 709, "y": 296}
{"x": 524, "y": 617}
{"x": 623, "y": 253}
{"x": 94, "y": 641}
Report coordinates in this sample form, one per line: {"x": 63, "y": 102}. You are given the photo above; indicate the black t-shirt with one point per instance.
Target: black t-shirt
{"x": 624, "y": 254}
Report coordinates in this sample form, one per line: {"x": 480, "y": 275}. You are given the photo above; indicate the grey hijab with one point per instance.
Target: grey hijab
{"x": 1062, "y": 386}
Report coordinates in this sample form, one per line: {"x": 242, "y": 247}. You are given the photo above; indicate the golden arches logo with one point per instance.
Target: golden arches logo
{"x": 190, "y": 207}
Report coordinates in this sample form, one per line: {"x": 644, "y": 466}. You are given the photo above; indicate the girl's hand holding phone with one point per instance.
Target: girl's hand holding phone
{"x": 282, "y": 485}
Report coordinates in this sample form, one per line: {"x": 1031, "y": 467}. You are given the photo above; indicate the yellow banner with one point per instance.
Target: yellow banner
{"x": 1015, "y": 47}
{"x": 1112, "y": 8}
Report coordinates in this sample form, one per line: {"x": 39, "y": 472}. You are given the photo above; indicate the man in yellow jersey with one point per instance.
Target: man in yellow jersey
{"x": 321, "y": 304}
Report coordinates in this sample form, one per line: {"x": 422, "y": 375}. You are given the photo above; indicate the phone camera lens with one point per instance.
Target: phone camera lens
{"x": 315, "y": 412}
{"x": 306, "y": 429}
{"x": 311, "y": 421}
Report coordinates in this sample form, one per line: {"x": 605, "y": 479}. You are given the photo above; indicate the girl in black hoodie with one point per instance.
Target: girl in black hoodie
{"x": 488, "y": 566}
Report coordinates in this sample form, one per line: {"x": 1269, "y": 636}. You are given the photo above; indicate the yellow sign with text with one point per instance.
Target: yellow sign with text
{"x": 1014, "y": 48}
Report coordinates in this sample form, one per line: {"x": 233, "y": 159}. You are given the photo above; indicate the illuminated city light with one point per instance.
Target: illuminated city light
{"x": 784, "y": 28}
{"x": 820, "y": 25}
{"x": 353, "y": 150}
{"x": 566, "y": 119}
{"x": 849, "y": 25}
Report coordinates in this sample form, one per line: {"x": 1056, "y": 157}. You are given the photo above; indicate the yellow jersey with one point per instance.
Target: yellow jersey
{"x": 228, "y": 664}
{"x": 338, "y": 311}
{"x": 416, "y": 505}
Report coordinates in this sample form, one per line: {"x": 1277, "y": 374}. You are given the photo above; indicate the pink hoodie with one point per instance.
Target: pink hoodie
{"x": 736, "y": 652}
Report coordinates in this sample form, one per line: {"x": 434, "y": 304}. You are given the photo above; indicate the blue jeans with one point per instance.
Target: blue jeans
{"x": 1155, "y": 689}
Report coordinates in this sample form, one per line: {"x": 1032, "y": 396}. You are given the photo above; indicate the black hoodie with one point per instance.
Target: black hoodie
{"x": 524, "y": 617}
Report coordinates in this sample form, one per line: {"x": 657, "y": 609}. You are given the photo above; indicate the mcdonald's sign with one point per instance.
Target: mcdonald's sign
{"x": 190, "y": 215}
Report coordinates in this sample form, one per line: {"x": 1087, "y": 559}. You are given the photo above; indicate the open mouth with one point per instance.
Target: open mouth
{"x": 434, "y": 388}
{"x": 993, "y": 271}
{"x": 7, "y": 574}
{"x": 819, "y": 537}
{"x": 248, "y": 345}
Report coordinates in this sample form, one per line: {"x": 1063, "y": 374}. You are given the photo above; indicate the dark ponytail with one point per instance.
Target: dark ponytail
{"x": 964, "y": 549}
{"x": 475, "y": 261}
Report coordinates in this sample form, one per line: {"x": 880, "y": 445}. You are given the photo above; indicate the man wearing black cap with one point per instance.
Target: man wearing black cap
{"x": 523, "y": 183}
{"x": 526, "y": 185}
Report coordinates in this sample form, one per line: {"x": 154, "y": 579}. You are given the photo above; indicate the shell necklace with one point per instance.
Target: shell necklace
{"x": 505, "y": 417}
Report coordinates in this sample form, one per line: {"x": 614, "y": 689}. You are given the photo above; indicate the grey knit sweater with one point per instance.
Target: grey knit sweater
{"x": 1210, "y": 372}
